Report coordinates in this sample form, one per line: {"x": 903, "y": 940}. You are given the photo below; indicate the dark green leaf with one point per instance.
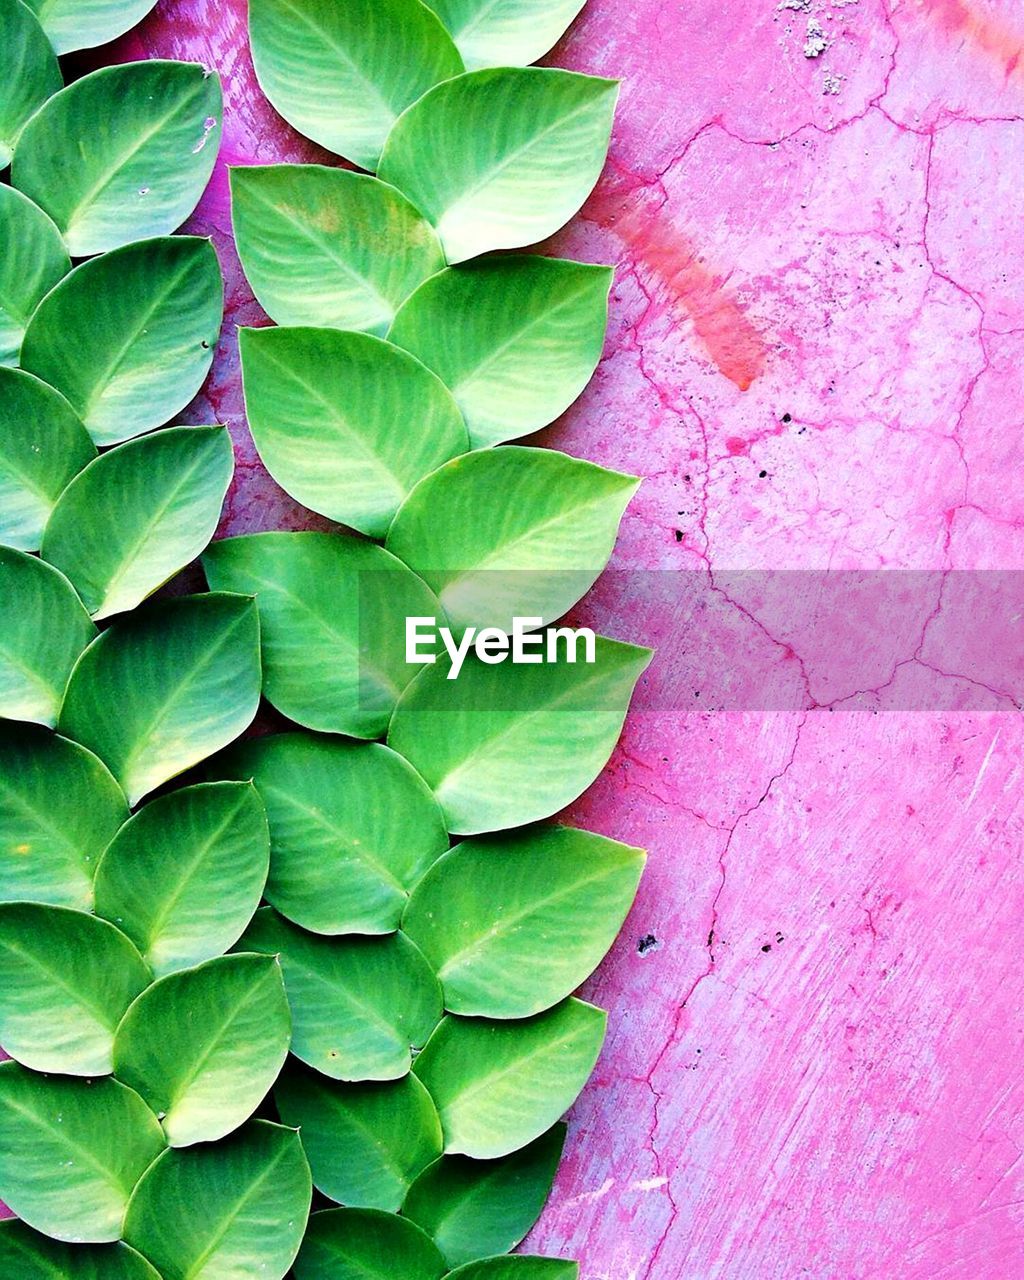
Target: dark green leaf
{"x": 365, "y": 1244}
{"x": 30, "y": 75}
{"x": 33, "y": 260}
{"x": 27, "y": 1255}
{"x": 519, "y": 1267}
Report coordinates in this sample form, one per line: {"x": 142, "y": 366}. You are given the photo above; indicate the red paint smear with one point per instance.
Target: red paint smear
{"x": 658, "y": 245}
{"x": 992, "y": 37}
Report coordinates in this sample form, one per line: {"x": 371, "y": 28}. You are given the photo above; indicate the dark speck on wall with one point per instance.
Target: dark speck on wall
{"x": 647, "y": 943}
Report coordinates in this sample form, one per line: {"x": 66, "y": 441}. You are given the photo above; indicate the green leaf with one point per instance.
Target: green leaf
{"x": 359, "y": 1005}
{"x": 43, "y": 629}
{"x": 332, "y": 624}
{"x": 59, "y": 808}
{"x": 184, "y": 876}
{"x": 502, "y": 158}
{"x": 138, "y": 514}
{"x": 42, "y": 445}
{"x": 128, "y": 337}
{"x": 365, "y": 1142}
{"x": 123, "y": 153}
{"x": 327, "y": 246}
{"x": 532, "y": 555}
{"x": 503, "y": 746}
{"x": 499, "y": 1085}
{"x": 515, "y": 338}
{"x": 202, "y": 1047}
{"x": 28, "y": 1255}
{"x": 519, "y": 1267}
{"x": 165, "y": 687}
{"x": 352, "y": 828}
{"x": 505, "y": 33}
{"x": 33, "y": 260}
{"x": 31, "y": 74}
{"x": 513, "y": 924}
{"x": 71, "y": 1151}
{"x": 342, "y": 73}
{"x": 224, "y": 1211}
{"x": 83, "y": 24}
{"x": 365, "y": 1244}
{"x": 346, "y": 423}
{"x": 66, "y": 979}
{"x": 475, "y": 1208}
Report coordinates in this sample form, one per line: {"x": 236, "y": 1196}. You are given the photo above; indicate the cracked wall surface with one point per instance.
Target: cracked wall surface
{"x": 815, "y": 357}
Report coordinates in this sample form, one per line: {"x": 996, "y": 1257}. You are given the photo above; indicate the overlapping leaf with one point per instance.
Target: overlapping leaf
{"x": 365, "y": 1244}
{"x": 82, "y": 24}
{"x": 29, "y": 1255}
{"x": 329, "y": 247}
{"x": 513, "y": 924}
{"x": 184, "y": 876}
{"x": 515, "y": 338}
{"x": 505, "y": 33}
{"x": 341, "y": 74}
{"x": 59, "y": 808}
{"x": 66, "y": 979}
{"x": 232, "y": 1208}
{"x": 346, "y": 423}
{"x": 123, "y": 153}
{"x": 506, "y": 745}
{"x": 501, "y": 158}
{"x": 43, "y": 630}
{"x": 531, "y": 555}
{"x": 359, "y": 1005}
{"x": 332, "y": 624}
{"x": 352, "y": 828}
{"x": 202, "y": 1047}
{"x": 42, "y": 446}
{"x": 499, "y": 1085}
{"x": 138, "y": 514}
{"x": 31, "y": 75}
{"x": 165, "y": 687}
{"x": 366, "y": 1143}
{"x": 33, "y": 260}
{"x": 128, "y": 337}
{"x": 518, "y": 1267}
{"x": 71, "y": 1152}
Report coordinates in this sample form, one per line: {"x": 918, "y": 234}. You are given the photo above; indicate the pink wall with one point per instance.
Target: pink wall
{"x": 816, "y": 1069}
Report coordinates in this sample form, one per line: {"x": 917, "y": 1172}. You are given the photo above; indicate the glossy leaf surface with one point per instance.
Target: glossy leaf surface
{"x": 138, "y": 514}
{"x": 59, "y": 808}
{"x": 184, "y": 876}
{"x": 43, "y": 630}
{"x": 366, "y": 1143}
{"x": 365, "y": 1244}
{"x": 29, "y": 1255}
{"x": 332, "y": 624}
{"x": 165, "y": 687}
{"x": 83, "y": 24}
{"x": 31, "y": 75}
{"x": 515, "y": 338}
{"x": 346, "y": 423}
{"x": 505, "y": 33}
{"x": 510, "y": 744}
{"x": 66, "y": 979}
{"x": 513, "y": 924}
{"x": 499, "y": 1085}
{"x": 531, "y": 555}
{"x": 123, "y": 153}
{"x": 329, "y": 247}
{"x": 33, "y": 260}
{"x": 225, "y": 1210}
{"x": 476, "y": 1208}
{"x": 342, "y": 73}
{"x": 202, "y": 1047}
{"x": 128, "y": 337}
{"x": 71, "y": 1152}
{"x": 501, "y": 158}
{"x": 359, "y": 1005}
{"x": 519, "y": 1267}
{"x": 42, "y": 446}
{"x": 352, "y": 828}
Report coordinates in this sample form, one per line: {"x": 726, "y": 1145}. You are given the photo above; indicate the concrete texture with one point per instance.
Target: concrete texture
{"x": 815, "y": 357}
